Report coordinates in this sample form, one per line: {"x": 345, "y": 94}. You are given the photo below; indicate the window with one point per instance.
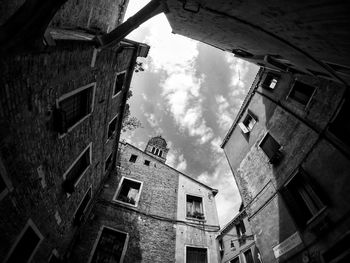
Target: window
{"x": 110, "y": 246}
{"x": 128, "y": 192}
{"x": 5, "y": 183}
{"x": 133, "y": 158}
{"x": 270, "y": 81}
{"x": 301, "y": 198}
{"x": 248, "y": 256}
{"x": 76, "y": 171}
{"x": 153, "y": 150}
{"x": 160, "y": 153}
{"x": 157, "y": 150}
{"x": 147, "y": 162}
{"x": 108, "y": 161}
{"x": 26, "y": 245}
{"x": 240, "y": 228}
{"x": 80, "y": 212}
{"x": 301, "y": 93}
{"x": 194, "y": 207}
{"x": 235, "y": 260}
{"x": 196, "y": 255}
{"x": 119, "y": 83}
{"x": 271, "y": 148}
{"x": 232, "y": 244}
{"x": 340, "y": 126}
{"x": 111, "y": 127}
{"x": 248, "y": 123}
{"x": 74, "y": 107}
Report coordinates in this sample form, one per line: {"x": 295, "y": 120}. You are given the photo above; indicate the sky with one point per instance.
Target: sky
{"x": 190, "y": 94}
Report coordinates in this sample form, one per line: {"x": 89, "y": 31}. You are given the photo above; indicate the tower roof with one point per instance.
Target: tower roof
{"x": 158, "y": 141}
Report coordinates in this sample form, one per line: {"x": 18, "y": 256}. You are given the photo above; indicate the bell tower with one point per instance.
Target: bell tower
{"x": 157, "y": 147}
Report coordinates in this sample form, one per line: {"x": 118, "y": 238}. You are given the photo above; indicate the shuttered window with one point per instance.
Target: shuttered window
{"x": 110, "y": 246}
{"x": 79, "y": 167}
{"x": 196, "y": 255}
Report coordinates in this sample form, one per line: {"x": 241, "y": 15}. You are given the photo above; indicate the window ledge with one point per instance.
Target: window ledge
{"x": 196, "y": 219}
{"x": 125, "y": 204}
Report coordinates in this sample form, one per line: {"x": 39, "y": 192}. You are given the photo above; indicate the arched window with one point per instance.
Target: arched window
{"x": 157, "y": 150}
{"x": 153, "y": 149}
{"x": 160, "y": 153}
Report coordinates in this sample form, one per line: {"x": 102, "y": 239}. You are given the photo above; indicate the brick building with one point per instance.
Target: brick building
{"x": 236, "y": 241}
{"x": 138, "y": 214}
{"x": 61, "y": 109}
{"x": 289, "y": 152}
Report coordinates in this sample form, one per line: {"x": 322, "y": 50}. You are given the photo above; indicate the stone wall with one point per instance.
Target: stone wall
{"x": 150, "y": 225}
{"x": 31, "y": 150}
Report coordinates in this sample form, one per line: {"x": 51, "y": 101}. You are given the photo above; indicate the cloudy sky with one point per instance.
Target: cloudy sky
{"x": 189, "y": 93}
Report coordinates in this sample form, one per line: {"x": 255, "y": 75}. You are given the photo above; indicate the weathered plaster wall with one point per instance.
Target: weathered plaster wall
{"x": 238, "y": 24}
{"x": 190, "y": 236}
{"x": 297, "y": 129}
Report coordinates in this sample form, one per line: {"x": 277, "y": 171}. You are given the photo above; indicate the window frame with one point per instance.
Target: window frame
{"x": 115, "y": 196}
{"x": 108, "y": 156}
{"x": 115, "y": 82}
{"x": 6, "y": 180}
{"x": 131, "y": 156}
{"x": 202, "y": 206}
{"x": 88, "y": 148}
{"x": 245, "y": 129}
{"x": 31, "y": 224}
{"x": 98, "y": 239}
{"x": 194, "y": 246}
{"x": 278, "y": 153}
{"x": 274, "y": 76}
{"x": 109, "y": 123}
{"x": 71, "y": 93}
{"x": 289, "y": 98}
{"x": 306, "y": 181}
{"x": 81, "y": 201}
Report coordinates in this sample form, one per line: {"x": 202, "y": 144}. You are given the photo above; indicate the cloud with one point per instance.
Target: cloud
{"x": 228, "y": 199}
{"x": 153, "y": 122}
{"x": 182, "y": 165}
{"x": 176, "y": 160}
{"x": 224, "y": 113}
{"x": 180, "y": 84}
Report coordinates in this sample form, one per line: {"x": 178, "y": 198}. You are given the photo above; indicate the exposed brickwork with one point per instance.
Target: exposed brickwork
{"x": 102, "y": 15}
{"x": 150, "y": 239}
{"x": 31, "y": 84}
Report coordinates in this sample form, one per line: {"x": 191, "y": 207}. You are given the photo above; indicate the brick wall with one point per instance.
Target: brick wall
{"x": 150, "y": 239}
{"x": 31, "y": 83}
